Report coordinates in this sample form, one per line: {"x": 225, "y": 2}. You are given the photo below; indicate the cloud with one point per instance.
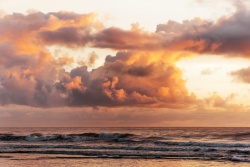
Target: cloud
{"x": 92, "y": 59}
{"x": 139, "y": 84}
{"x": 33, "y": 76}
{"x": 117, "y": 38}
{"x": 10, "y": 59}
{"x": 28, "y": 70}
{"x": 126, "y": 80}
{"x": 142, "y": 73}
{"x": 228, "y": 36}
{"x": 209, "y": 71}
{"x": 114, "y": 38}
{"x": 242, "y": 75}
{"x": 206, "y": 72}
{"x": 71, "y": 36}
{"x": 216, "y": 103}
{"x": 69, "y": 29}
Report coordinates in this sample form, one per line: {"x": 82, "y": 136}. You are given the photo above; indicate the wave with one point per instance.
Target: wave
{"x": 127, "y": 144}
{"x": 247, "y": 152}
{"x": 66, "y": 137}
{"x": 202, "y": 144}
{"x": 125, "y": 138}
{"x": 125, "y": 150}
{"x": 136, "y": 154}
{"x": 236, "y": 135}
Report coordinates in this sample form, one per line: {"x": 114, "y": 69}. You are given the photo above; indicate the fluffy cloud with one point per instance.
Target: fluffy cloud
{"x": 127, "y": 79}
{"x": 142, "y": 73}
{"x": 32, "y": 76}
{"x": 141, "y": 78}
{"x": 28, "y": 70}
{"x": 228, "y": 36}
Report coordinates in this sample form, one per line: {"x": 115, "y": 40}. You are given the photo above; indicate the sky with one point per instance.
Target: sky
{"x": 113, "y": 63}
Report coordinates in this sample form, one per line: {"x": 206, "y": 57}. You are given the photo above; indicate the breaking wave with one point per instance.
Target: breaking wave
{"x": 213, "y": 144}
{"x": 65, "y": 137}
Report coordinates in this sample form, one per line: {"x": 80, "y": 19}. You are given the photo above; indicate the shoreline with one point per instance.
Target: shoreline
{"x": 27, "y": 160}
{"x": 50, "y": 160}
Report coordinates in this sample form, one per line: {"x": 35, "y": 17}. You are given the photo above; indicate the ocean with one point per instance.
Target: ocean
{"x": 124, "y": 147}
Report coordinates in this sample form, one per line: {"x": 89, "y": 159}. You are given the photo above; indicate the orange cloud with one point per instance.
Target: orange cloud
{"x": 142, "y": 73}
{"x": 141, "y": 78}
{"x": 126, "y": 80}
{"x": 228, "y": 36}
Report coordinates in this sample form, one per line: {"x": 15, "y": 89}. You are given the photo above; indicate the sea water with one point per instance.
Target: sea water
{"x": 124, "y": 147}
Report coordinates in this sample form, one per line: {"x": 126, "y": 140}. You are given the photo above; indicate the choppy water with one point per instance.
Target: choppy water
{"x": 215, "y": 144}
